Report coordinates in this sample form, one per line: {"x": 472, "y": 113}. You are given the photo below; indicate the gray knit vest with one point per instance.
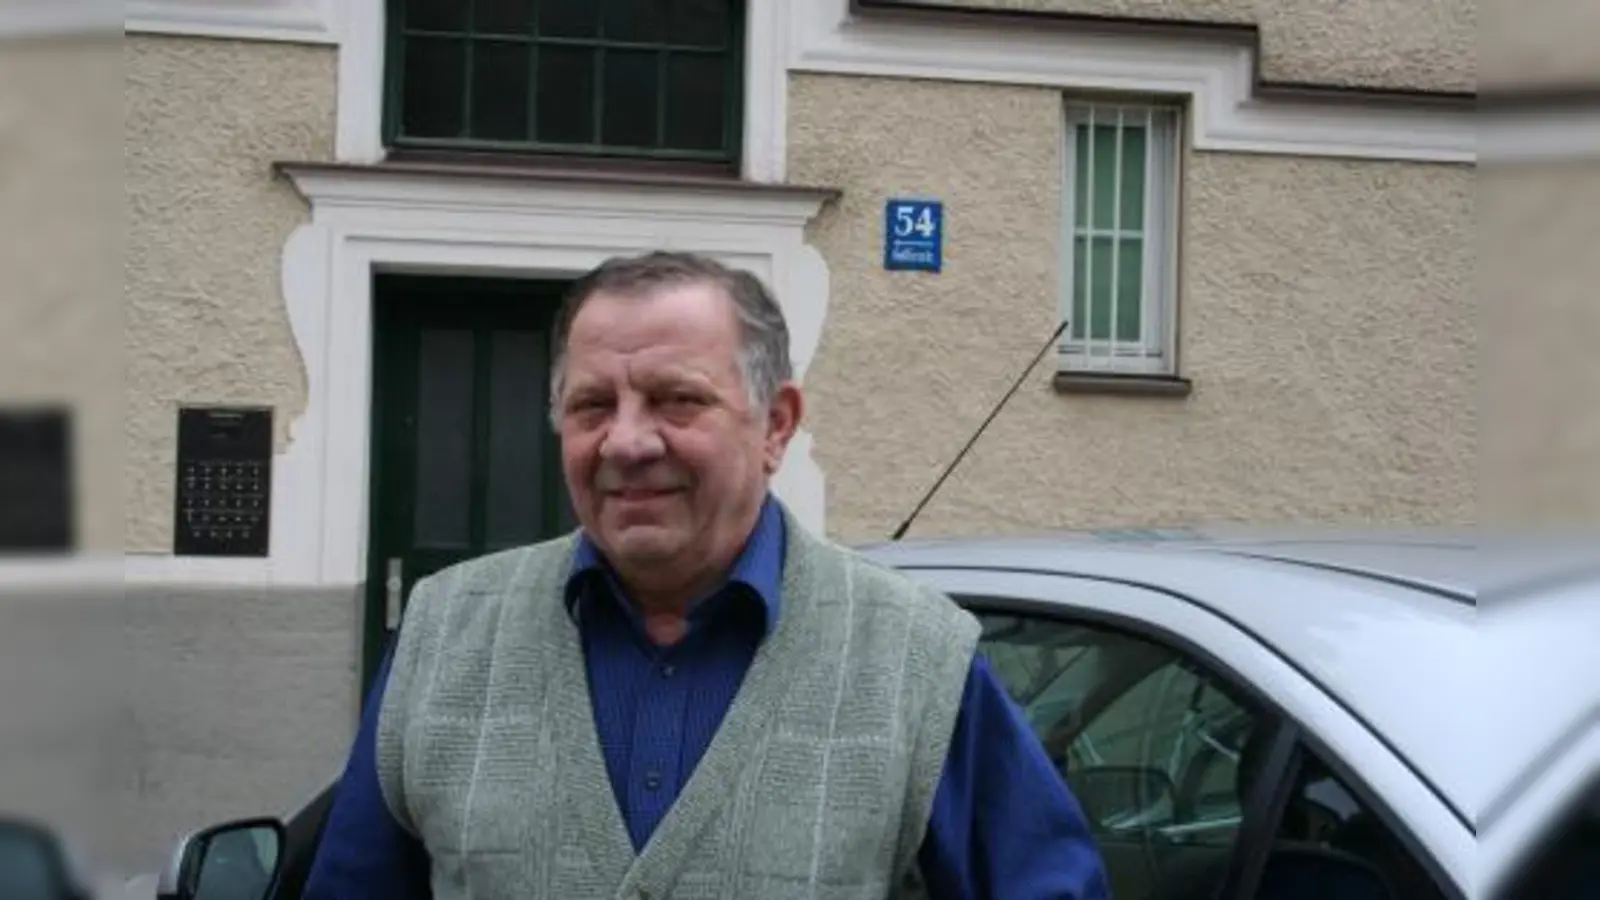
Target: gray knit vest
{"x": 819, "y": 783}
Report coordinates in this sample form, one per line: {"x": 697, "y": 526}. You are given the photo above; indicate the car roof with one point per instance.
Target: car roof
{"x": 1456, "y": 562}
{"x": 1392, "y": 632}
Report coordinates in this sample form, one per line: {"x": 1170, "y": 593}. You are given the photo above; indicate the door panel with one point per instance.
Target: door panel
{"x": 464, "y": 461}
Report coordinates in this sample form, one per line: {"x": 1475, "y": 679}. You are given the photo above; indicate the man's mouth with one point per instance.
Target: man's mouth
{"x": 635, "y": 495}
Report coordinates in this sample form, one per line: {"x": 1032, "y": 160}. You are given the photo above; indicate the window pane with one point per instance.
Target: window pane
{"x": 1080, "y": 182}
{"x": 502, "y": 16}
{"x": 1133, "y": 178}
{"x": 444, "y": 439}
{"x": 500, "y": 90}
{"x": 595, "y": 73}
{"x": 1324, "y": 814}
{"x": 566, "y": 95}
{"x": 435, "y": 15}
{"x": 569, "y": 18}
{"x": 1149, "y": 743}
{"x": 642, "y": 21}
{"x": 1130, "y": 290}
{"x": 700, "y": 23}
{"x": 1092, "y": 308}
{"x": 435, "y": 75}
{"x": 1080, "y": 288}
{"x": 630, "y": 100}
{"x": 696, "y": 102}
{"x": 1104, "y": 175}
{"x": 1098, "y": 272}
{"x": 517, "y": 416}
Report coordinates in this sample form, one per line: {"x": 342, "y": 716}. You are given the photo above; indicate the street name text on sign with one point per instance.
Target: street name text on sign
{"x": 913, "y": 235}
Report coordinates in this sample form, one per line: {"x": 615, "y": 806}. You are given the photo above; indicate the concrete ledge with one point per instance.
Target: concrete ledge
{"x": 1122, "y": 385}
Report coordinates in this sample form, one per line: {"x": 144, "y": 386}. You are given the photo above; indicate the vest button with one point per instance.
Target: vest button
{"x": 652, "y": 781}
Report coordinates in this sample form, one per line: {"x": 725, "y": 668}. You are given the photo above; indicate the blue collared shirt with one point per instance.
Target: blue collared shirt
{"x": 1003, "y": 823}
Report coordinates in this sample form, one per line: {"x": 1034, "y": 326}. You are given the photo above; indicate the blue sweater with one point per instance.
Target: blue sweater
{"x": 1003, "y": 824}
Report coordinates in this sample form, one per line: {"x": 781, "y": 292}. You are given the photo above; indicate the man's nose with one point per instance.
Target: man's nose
{"x": 634, "y": 436}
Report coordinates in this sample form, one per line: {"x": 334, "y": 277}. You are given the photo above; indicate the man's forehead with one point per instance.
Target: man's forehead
{"x": 689, "y": 307}
{"x": 649, "y": 364}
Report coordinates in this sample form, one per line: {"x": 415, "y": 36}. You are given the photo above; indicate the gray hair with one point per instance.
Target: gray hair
{"x": 763, "y": 333}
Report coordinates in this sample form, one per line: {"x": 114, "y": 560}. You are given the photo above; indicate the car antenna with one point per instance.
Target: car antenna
{"x": 901, "y": 531}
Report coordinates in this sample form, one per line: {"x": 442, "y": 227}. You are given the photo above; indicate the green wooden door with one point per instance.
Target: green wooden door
{"x": 464, "y": 461}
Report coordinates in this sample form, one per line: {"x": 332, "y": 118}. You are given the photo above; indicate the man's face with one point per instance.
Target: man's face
{"x": 665, "y": 459}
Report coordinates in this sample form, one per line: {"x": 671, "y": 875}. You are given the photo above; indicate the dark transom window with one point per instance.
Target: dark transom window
{"x": 652, "y": 78}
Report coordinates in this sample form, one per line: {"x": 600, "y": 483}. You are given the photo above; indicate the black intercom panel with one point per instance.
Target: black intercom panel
{"x": 224, "y": 482}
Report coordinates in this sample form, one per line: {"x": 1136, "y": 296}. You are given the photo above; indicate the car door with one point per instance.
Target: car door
{"x": 1186, "y": 741}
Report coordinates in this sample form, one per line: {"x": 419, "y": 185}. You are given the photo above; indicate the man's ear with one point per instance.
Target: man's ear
{"x": 784, "y": 414}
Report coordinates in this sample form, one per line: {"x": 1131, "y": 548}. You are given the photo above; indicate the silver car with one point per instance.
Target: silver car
{"x": 1245, "y": 715}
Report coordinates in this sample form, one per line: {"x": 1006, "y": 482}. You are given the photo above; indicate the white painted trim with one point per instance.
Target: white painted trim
{"x": 295, "y": 21}
{"x": 162, "y": 568}
{"x": 358, "y": 136}
{"x": 1541, "y": 135}
{"x": 768, "y": 29}
{"x": 364, "y": 221}
{"x": 82, "y": 570}
{"x": 1216, "y": 77}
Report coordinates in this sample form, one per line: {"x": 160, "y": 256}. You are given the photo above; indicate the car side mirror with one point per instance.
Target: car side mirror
{"x": 34, "y": 864}
{"x": 237, "y": 860}
{"x": 1116, "y": 797}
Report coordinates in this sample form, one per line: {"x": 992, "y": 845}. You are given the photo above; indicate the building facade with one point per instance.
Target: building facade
{"x": 347, "y": 223}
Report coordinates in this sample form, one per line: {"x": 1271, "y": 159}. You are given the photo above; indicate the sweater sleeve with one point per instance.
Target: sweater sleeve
{"x": 1004, "y": 824}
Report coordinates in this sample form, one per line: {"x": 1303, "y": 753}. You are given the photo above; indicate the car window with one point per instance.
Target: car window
{"x": 1155, "y": 746}
{"x": 1330, "y": 844}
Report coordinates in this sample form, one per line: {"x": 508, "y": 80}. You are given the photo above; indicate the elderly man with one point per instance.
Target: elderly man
{"x": 692, "y": 696}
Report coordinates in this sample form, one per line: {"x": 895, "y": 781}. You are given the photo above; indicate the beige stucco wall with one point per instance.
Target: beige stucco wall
{"x": 1541, "y": 373}
{"x": 1548, "y": 42}
{"x": 1327, "y": 322}
{"x": 1426, "y": 44}
{"x": 207, "y": 222}
{"x": 61, "y": 255}
{"x": 208, "y": 703}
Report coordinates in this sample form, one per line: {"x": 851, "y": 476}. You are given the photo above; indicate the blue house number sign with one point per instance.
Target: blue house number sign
{"x": 913, "y": 237}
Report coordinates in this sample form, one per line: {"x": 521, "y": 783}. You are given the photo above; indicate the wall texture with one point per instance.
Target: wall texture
{"x": 1425, "y": 44}
{"x": 1541, "y": 375}
{"x": 61, "y": 254}
{"x": 206, "y": 227}
{"x": 1326, "y": 321}
{"x": 1550, "y": 42}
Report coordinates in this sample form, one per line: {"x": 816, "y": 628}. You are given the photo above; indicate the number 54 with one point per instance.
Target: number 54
{"x": 906, "y": 221}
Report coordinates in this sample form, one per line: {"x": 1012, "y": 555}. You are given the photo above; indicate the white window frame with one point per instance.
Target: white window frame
{"x": 1156, "y": 352}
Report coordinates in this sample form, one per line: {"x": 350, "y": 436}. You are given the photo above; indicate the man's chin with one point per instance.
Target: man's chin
{"x": 645, "y": 543}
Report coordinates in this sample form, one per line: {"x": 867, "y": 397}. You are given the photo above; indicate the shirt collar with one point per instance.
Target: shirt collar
{"x": 758, "y": 567}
